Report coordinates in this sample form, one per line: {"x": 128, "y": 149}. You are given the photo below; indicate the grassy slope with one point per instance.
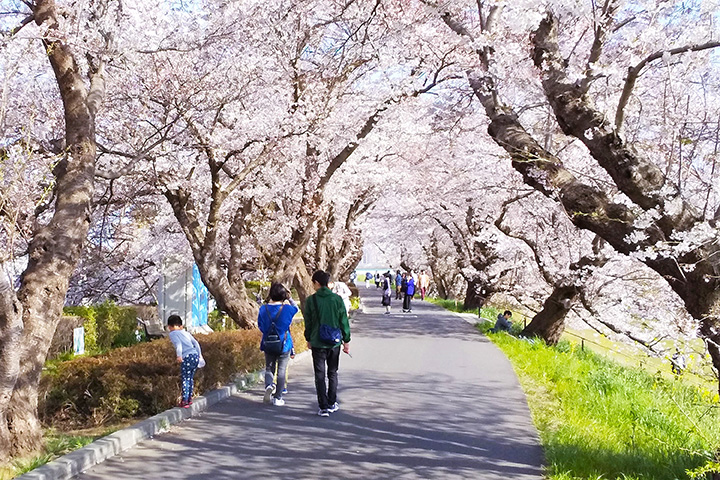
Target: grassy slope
{"x": 598, "y": 419}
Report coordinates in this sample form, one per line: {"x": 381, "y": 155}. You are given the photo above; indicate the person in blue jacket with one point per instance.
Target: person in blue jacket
{"x": 503, "y": 323}
{"x": 409, "y": 293}
{"x": 280, "y": 309}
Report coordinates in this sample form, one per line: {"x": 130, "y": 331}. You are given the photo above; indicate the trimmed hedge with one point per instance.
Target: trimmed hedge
{"x": 144, "y": 379}
{"x": 107, "y": 325}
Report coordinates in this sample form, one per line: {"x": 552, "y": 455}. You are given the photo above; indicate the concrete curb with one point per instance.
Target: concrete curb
{"x": 78, "y": 461}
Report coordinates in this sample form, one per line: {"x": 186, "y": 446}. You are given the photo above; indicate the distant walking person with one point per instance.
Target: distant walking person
{"x": 424, "y": 284}
{"x": 189, "y": 356}
{"x": 326, "y": 328}
{"x": 368, "y": 279}
{"x": 503, "y": 323}
{"x": 274, "y": 320}
{"x": 344, "y": 291}
{"x": 387, "y": 293}
{"x": 398, "y": 286}
{"x": 409, "y": 293}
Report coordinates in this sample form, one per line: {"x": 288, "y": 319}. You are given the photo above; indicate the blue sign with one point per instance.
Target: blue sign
{"x": 199, "y": 300}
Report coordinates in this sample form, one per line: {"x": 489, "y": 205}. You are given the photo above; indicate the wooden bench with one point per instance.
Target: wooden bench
{"x": 152, "y": 329}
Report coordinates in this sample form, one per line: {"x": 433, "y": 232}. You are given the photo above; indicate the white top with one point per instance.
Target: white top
{"x": 185, "y": 344}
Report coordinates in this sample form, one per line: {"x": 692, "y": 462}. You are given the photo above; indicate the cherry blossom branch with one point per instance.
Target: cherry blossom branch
{"x": 634, "y": 72}
{"x": 25, "y": 21}
{"x": 638, "y": 178}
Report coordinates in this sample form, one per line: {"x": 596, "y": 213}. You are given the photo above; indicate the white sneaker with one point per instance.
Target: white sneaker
{"x": 268, "y": 394}
{"x": 323, "y": 413}
{"x": 278, "y": 402}
{"x": 334, "y": 407}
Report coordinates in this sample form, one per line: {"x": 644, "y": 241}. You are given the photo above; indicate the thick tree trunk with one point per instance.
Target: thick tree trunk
{"x": 231, "y": 298}
{"x": 476, "y": 294}
{"x": 302, "y": 281}
{"x": 11, "y": 327}
{"x": 56, "y": 247}
{"x": 549, "y": 323}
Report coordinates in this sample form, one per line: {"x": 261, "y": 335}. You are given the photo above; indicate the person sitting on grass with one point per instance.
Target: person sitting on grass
{"x": 503, "y": 323}
{"x": 189, "y": 357}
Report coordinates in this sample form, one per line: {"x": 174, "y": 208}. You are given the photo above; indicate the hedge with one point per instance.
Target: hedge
{"x": 143, "y": 380}
{"x": 107, "y": 325}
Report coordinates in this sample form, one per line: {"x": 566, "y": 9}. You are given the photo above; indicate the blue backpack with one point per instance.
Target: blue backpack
{"x": 273, "y": 342}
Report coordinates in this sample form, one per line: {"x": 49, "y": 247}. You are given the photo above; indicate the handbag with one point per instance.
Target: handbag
{"x": 327, "y": 333}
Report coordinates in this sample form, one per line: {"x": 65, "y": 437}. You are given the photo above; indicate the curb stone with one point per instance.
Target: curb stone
{"x": 78, "y": 461}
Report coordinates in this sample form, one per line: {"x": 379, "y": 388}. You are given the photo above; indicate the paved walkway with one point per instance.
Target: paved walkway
{"x": 423, "y": 397}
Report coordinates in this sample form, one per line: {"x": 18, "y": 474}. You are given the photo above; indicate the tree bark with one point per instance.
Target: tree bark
{"x": 56, "y": 247}
{"x": 11, "y": 329}
{"x": 549, "y": 323}
{"x": 477, "y": 293}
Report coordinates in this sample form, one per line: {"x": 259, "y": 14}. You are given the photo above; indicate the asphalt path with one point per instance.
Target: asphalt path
{"x": 424, "y": 396}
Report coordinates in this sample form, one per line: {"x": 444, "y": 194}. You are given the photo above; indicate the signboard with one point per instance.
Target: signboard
{"x": 79, "y": 340}
{"x": 182, "y": 292}
{"x": 200, "y": 299}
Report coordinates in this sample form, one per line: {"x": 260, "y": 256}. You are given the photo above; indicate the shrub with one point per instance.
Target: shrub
{"x": 143, "y": 380}
{"x": 220, "y": 322}
{"x": 107, "y": 325}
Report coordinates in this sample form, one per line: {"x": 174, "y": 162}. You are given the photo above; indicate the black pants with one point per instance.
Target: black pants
{"x": 406, "y": 302}
{"x": 327, "y": 396}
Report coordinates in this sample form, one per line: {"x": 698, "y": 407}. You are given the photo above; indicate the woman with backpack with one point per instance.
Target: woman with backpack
{"x": 274, "y": 320}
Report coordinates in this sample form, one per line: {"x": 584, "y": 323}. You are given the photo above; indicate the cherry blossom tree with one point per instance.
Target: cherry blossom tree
{"x": 662, "y": 214}
{"x": 50, "y": 239}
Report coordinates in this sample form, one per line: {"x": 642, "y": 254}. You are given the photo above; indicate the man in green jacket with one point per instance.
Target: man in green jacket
{"x": 326, "y": 308}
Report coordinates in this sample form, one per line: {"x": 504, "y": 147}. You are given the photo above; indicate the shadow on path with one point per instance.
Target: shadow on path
{"x": 424, "y": 396}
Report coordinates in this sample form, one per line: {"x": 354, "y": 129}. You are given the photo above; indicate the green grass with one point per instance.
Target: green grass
{"x": 600, "y": 420}
{"x": 56, "y": 445}
{"x": 450, "y": 304}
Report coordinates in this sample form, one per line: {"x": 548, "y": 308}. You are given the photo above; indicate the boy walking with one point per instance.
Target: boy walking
{"x": 188, "y": 354}
{"x": 325, "y": 315}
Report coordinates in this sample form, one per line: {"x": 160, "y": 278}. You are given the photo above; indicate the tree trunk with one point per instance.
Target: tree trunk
{"x": 549, "y": 323}
{"x": 11, "y": 328}
{"x": 476, "y": 294}
{"x": 231, "y": 298}
{"x": 55, "y": 248}
{"x": 302, "y": 281}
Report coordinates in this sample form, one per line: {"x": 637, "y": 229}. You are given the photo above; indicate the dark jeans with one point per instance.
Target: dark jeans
{"x": 282, "y": 363}
{"x": 327, "y": 396}
{"x": 406, "y": 302}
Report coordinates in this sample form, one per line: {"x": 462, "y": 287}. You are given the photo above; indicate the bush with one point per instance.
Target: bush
{"x": 107, "y": 325}
{"x": 220, "y": 322}
{"x": 143, "y": 380}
